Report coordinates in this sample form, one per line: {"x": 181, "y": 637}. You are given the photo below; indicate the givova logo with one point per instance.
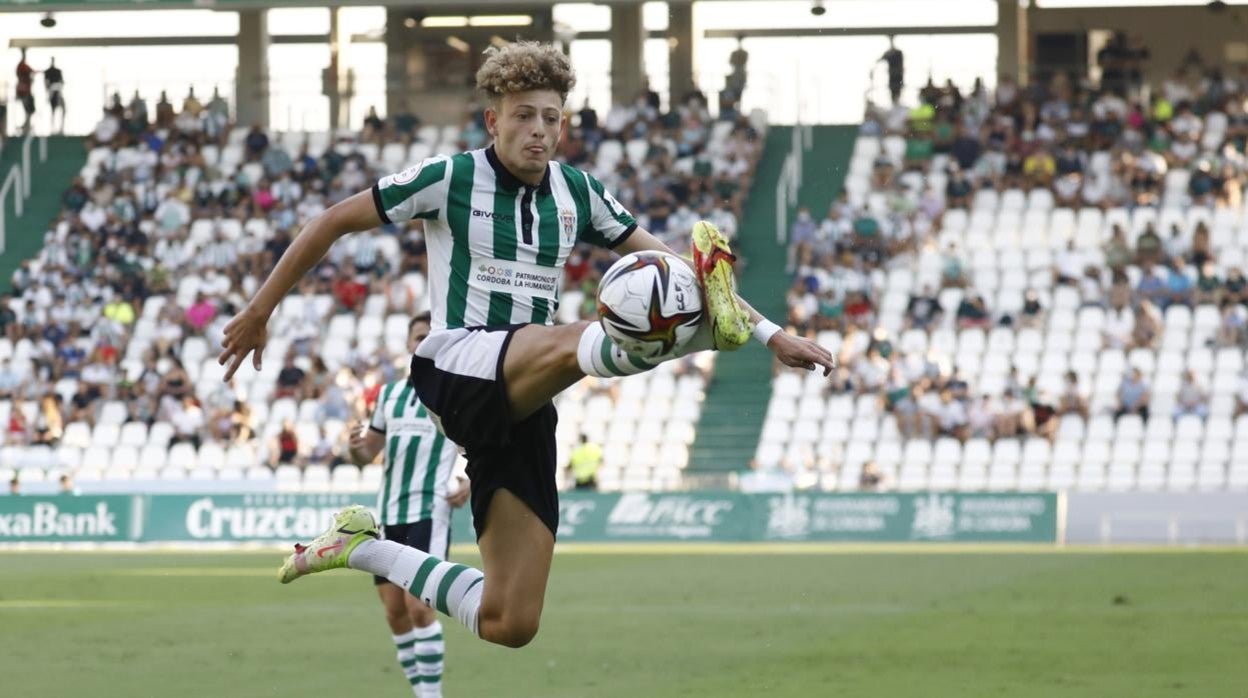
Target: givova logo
{"x": 46, "y": 520}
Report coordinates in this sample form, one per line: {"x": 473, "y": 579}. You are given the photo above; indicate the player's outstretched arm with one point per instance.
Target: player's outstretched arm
{"x": 248, "y": 331}
{"x": 792, "y": 351}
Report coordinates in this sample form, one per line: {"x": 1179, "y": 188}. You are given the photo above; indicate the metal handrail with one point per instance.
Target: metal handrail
{"x": 12, "y": 181}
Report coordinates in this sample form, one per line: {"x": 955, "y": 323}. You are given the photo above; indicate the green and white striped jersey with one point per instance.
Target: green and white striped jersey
{"x": 418, "y": 458}
{"x": 496, "y": 245}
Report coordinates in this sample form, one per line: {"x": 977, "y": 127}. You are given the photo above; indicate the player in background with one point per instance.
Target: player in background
{"x": 499, "y": 224}
{"x": 415, "y": 505}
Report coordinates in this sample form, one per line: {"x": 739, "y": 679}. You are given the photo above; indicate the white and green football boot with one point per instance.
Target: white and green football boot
{"x": 713, "y": 260}
{"x": 330, "y": 550}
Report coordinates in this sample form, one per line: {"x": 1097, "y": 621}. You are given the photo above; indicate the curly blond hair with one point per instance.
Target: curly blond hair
{"x": 524, "y": 66}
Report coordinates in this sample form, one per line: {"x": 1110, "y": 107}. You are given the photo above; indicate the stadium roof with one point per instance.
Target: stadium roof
{"x": 96, "y": 5}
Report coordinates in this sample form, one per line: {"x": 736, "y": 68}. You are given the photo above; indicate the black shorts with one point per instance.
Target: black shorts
{"x": 458, "y": 375}
{"x": 421, "y": 535}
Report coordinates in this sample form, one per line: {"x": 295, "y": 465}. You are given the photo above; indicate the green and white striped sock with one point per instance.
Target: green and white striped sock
{"x": 430, "y": 649}
{"x": 599, "y": 356}
{"x": 446, "y": 587}
{"x": 406, "y": 646}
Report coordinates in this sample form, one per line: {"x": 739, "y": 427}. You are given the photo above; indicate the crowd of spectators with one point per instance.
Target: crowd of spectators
{"x": 1061, "y": 144}
{"x": 159, "y": 202}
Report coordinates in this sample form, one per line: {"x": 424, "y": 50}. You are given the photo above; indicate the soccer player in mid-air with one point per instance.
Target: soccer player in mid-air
{"x": 499, "y": 224}
{"x": 414, "y": 506}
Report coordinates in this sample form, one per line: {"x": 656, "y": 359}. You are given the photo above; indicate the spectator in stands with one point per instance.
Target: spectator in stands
{"x": 1073, "y": 398}
{"x": 350, "y": 289}
{"x": 952, "y": 416}
{"x": 585, "y": 461}
{"x": 973, "y": 313}
{"x": 49, "y": 421}
{"x": 870, "y": 479}
{"x": 201, "y": 313}
{"x": 981, "y": 418}
{"x": 15, "y": 486}
{"x": 1146, "y": 329}
{"x": 1235, "y": 289}
{"x": 1014, "y": 417}
{"x": 10, "y": 380}
{"x": 1117, "y": 250}
{"x": 952, "y": 271}
{"x": 1208, "y": 288}
{"x": 188, "y": 421}
{"x": 1148, "y": 247}
{"x": 959, "y": 188}
{"x": 256, "y": 142}
{"x": 284, "y": 447}
{"x": 1179, "y": 285}
{"x": 9, "y": 325}
{"x": 1134, "y": 395}
{"x": 25, "y": 85}
{"x": 291, "y": 380}
{"x": 176, "y": 383}
{"x": 1031, "y": 316}
{"x": 19, "y": 427}
{"x": 923, "y": 310}
{"x": 1152, "y": 287}
{"x": 1043, "y": 411}
{"x": 1232, "y": 331}
{"x": 241, "y": 423}
{"x": 1069, "y": 265}
{"x": 1192, "y": 398}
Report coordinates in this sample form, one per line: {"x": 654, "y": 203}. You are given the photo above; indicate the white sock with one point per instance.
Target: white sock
{"x": 598, "y": 356}
{"x": 429, "y": 652}
{"x": 447, "y": 587}
{"x": 406, "y": 646}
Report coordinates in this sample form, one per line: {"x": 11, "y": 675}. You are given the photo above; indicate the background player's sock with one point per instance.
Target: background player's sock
{"x": 430, "y": 647}
{"x": 599, "y": 356}
{"x": 447, "y": 587}
{"x": 406, "y": 646}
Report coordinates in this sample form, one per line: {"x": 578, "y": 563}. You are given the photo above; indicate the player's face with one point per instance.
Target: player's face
{"x": 417, "y": 335}
{"x": 526, "y": 127}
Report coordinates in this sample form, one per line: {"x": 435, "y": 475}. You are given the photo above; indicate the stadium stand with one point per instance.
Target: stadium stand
{"x": 172, "y": 225}
{"x": 1027, "y": 290}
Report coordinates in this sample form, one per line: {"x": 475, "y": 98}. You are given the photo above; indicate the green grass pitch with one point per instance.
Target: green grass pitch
{"x": 723, "y": 622}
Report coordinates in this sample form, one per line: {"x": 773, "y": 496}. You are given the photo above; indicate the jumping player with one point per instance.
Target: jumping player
{"x": 499, "y": 224}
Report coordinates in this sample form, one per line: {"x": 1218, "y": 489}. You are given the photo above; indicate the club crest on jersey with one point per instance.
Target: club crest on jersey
{"x": 408, "y": 175}
{"x": 568, "y": 217}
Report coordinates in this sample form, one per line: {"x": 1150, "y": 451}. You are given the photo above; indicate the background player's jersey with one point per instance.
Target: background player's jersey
{"x": 497, "y": 246}
{"x": 418, "y": 458}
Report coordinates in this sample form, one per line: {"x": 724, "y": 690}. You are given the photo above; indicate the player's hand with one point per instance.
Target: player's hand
{"x": 801, "y": 353}
{"x": 460, "y": 496}
{"x": 247, "y": 332}
{"x": 359, "y": 438}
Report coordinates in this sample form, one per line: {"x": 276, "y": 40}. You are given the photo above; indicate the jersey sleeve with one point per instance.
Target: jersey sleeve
{"x": 417, "y": 192}
{"x": 378, "y": 422}
{"x": 609, "y": 222}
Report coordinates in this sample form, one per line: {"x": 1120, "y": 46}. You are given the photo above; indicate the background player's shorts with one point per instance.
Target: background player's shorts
{"x": 458, "y": 374}
{"x": 430, "y": 535}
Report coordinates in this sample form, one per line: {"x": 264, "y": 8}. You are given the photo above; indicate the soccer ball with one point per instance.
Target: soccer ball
{"x": 649, "y": 303}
